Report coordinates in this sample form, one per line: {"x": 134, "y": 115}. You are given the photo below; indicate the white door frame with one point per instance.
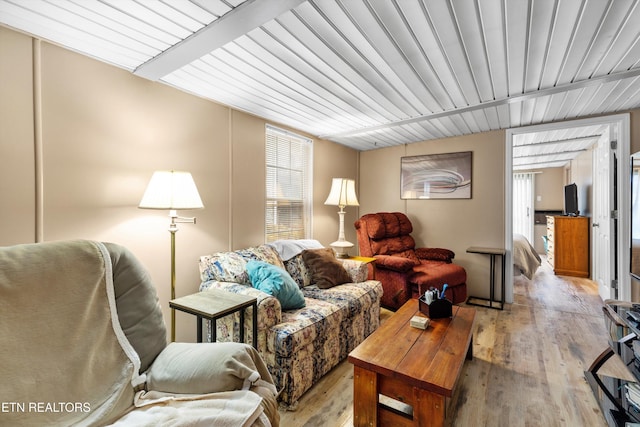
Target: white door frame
{"x": 622, "y": 121}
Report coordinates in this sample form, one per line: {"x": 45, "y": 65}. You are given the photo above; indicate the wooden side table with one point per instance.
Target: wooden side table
{"x": 492, "y": 252}
{"x": 213, "y": 304}
{"x": 366, "y": 260}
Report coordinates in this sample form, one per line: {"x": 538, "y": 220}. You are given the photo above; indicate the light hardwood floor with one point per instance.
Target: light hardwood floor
{"x": 528, "y": 365}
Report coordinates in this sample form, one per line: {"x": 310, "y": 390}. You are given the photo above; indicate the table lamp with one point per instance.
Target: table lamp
{"x": 343, "y": 193}
{"x": 172, "y": 190}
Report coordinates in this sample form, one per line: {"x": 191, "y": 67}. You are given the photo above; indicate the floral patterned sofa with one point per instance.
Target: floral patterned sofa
{"x": 300, "y": 345}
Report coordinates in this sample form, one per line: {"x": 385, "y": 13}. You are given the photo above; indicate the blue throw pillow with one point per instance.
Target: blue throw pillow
{"x": 277, "y": 282}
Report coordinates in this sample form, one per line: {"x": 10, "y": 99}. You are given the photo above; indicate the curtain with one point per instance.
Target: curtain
{"x": 523, "y": 189}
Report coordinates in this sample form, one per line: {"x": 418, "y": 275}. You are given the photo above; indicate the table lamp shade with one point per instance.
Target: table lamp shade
{"x": 343, "y": 193}
{"x": 171, "y": 190}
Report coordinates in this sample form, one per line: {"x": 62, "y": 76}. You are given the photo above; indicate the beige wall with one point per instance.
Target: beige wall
{"x": 580, "y": 171}
{"x": 104, "y": 132}
{"x": 453, "y": 224}
{"x": 332, "y": 160}
{"x": 17, "y": 178}
{"x": 549, "y": 186}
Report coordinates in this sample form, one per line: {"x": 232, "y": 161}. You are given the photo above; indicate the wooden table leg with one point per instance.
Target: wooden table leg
{"x": 429, "y": 410}
{"x": 365, "y": 397}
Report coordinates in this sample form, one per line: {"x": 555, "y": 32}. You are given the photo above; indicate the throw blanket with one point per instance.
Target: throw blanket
{"x": 287, "y": 249}
{"x": 525, "y": 258}
{"x": 64, "y": 359}
{"x": 225, "y": 409}
{"x": 182, "y": 370}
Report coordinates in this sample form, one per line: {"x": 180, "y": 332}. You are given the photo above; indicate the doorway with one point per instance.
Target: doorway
{"x": 619, "y": 126}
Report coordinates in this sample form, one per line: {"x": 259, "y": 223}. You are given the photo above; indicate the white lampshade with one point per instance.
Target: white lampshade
{"x": 171, "y": 190}
{"x": 343, "y": 193}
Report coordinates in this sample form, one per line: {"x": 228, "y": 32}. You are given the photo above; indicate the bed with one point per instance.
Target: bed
{"x": 525, "y": 258}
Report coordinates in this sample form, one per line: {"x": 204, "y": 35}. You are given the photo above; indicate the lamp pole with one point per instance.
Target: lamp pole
{"x": 172, "y": 229}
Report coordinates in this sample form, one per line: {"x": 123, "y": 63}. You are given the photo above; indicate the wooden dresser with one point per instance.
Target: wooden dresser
{"x": 568, "y": 245}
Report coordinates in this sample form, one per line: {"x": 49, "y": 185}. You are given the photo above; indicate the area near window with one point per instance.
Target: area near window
{"x": 523, "y": 190}
{"x": 288, "y": 206}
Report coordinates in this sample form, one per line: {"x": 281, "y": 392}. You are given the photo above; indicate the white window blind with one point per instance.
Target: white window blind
{"x": 523, "y": 189}
{"x": 288, "y": 207}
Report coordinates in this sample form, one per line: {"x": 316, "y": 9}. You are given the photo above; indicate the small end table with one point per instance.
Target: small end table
{"x": 492, "y": 252}
{"x": 213, "y": 304}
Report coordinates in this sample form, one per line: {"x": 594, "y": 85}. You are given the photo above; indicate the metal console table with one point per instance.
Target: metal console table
{"x": 489, "y": 302}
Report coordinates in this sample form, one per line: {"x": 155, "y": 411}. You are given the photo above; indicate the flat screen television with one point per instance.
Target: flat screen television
{"x": 571, "y": 200}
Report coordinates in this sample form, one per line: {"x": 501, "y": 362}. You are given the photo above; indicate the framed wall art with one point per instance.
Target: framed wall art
{"x": 436, "y": 176}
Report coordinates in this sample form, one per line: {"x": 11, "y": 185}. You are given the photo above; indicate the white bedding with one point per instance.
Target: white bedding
{"x": 525, "y": 258}
{"x": 287, "y": 249}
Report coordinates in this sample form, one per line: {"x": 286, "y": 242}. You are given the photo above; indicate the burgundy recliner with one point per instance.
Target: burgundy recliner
{"x": 404, "y": 270}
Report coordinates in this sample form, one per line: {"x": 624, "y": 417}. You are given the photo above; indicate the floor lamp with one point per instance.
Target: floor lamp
{"x": 343, "y": 193}
{"x": 172, "y": 190}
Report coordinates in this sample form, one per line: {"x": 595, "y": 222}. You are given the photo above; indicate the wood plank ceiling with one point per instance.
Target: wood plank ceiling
{"x": 367, "y": 73}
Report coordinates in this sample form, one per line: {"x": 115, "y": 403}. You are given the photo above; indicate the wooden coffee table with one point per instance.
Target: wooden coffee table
{"x": 417, "y": 369}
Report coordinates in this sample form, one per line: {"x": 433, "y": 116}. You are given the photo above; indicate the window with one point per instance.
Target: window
{"x": 523, "y": 190}
{"x": 288, "y": 202}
